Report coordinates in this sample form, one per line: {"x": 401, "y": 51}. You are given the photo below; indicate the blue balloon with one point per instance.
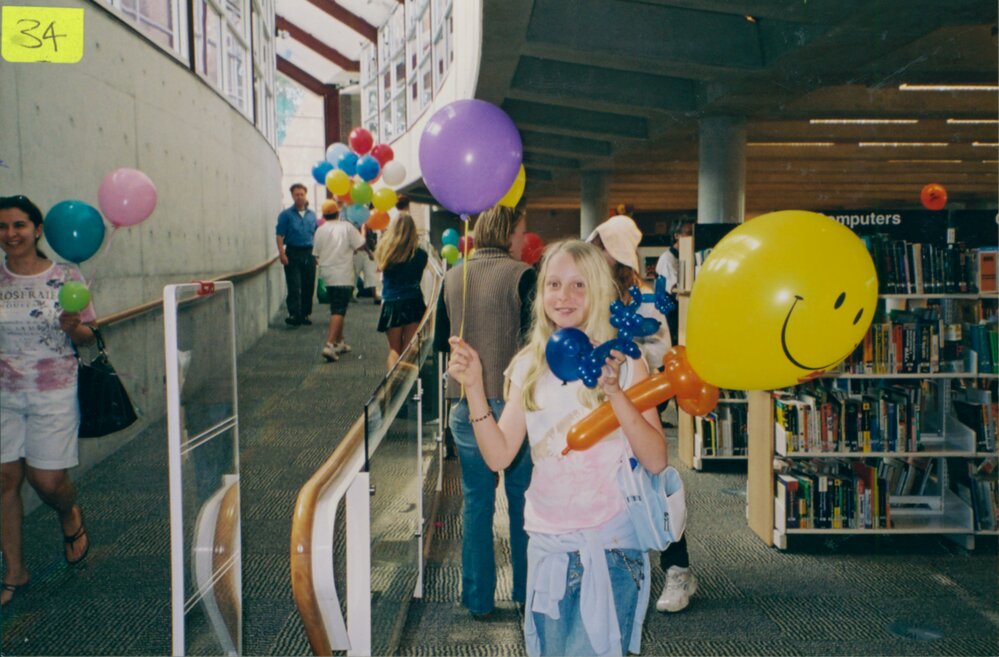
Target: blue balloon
{"x": 334, "y": 152}
{"x": 320, "y": 170}
{"x": 450, "y": 236}
{"x": 347, "y": 163}
{"x": 368, "y": 168}
{"x": 564, "y": 353}
{"x": 357, "y": 214}
{"x": 74, "y": 230}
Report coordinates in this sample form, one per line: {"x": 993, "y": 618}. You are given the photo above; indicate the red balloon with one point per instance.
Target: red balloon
{"x": 344, "y": 200}
{"x": 361, "y": 141}
{"x": 534, "y": 246}
{"x": 383, "y": 153}
{"x": 378, "y": 220}
{"x": 933, "y": 197}
{"x": 465, "y": 241}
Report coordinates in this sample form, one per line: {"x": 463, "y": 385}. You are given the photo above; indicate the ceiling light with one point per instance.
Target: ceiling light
{"x": 948, "y": 87}
{"x": 985, "y": 144}
{"x": 902, "y": 144}
{"x": 751, "y": 19}
{"x": 862, "y": 121}
{"x": 791, "y": 144}
{"x": 925, "y": 161}
{"x": 972, "y": 121}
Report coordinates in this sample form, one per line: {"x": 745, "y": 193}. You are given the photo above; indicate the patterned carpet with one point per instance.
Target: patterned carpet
{"x": 858, "y": 596}
{"x": 855, "y": 596}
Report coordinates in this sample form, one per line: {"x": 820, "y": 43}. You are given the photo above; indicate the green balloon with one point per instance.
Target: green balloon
{"x": 74, "y": 297}
{"x": 450, "y": 253}
{"x": 360, "y": 193}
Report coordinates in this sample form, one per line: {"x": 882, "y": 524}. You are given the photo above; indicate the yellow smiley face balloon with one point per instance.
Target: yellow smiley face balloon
{"x": 780, "y": 299}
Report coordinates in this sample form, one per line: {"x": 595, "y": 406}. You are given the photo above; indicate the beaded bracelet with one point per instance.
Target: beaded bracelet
{"x": 480, "y": 419}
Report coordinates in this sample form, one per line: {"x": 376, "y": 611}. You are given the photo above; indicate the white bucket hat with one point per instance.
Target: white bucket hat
{"x": 620, "y": 237}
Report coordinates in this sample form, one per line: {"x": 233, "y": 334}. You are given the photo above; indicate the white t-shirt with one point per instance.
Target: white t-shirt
{"x": 578, "y": 490}
{"x": 35, "y": 354}
{"x": 668, "y": 266}
{"x": 334, "y": 246}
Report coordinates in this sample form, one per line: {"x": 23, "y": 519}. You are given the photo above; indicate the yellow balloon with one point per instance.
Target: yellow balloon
{"x": 384, "y": 199}
{"x": 780, "y": 299}
{"x": 338, "y": 182}
{"x": 512, "y": 196}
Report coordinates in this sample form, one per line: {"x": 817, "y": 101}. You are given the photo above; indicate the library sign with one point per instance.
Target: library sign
{"x": 972, "y": 227}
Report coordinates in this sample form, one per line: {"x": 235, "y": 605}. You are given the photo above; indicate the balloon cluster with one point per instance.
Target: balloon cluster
{"x": 75, "y": 230}
{"x": 571, "y": 357}
{"x": 349, "y": 173}
{"x": 454, "y": 246}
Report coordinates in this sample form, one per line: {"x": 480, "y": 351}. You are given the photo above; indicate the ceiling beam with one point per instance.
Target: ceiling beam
{"x": 351, "y": 20}
{"x": 315, "y": 44}
{"x": 298, "y": 75}
{"x": 566, "y": 120}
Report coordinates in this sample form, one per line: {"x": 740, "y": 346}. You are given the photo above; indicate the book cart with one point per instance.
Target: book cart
{"x": 902, "y": 439}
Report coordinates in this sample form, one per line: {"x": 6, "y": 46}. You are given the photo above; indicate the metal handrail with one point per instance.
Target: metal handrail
{"x": 325, "y": 489}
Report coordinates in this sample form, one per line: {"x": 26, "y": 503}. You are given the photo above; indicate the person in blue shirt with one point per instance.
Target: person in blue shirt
{"x": 296, "y": 227}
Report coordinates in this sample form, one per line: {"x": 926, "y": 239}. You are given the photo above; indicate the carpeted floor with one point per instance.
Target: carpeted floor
{"x": 848, "y": 596}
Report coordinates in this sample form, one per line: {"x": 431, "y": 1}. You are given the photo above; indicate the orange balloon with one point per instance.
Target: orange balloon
{"x": 933, "y": 197}
{"x": 379, "y": 220}
{"x": 701, "y": 403}
{"x": 601, "y": 421}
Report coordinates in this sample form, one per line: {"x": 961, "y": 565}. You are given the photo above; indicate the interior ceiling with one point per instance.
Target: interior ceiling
{"x": 619, "y": 86}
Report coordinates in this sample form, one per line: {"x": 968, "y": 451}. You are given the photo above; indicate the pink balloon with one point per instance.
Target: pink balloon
{"x": 127, "y": 197}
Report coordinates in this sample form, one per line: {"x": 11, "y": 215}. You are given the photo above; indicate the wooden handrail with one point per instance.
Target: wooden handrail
{"x": 330, "y": 472}
{"x": 149, "y": 306}
{"x": 301, "y": 536}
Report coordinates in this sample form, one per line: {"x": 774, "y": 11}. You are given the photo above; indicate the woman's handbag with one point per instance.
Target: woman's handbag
{"x": 656, "y": 503}
{"x": 322, "y": 294}
{"x": 104, "y": 403}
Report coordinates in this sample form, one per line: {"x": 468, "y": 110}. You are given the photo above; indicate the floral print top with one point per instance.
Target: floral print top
{"x": 35, "y": 354}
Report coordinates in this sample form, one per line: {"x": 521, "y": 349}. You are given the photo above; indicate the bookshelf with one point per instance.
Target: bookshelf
{"x": 721, "y": 435}
{"x": 901, "y": 440}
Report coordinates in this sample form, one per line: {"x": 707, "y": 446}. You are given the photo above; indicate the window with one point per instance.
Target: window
{"x": 160, "y": 20}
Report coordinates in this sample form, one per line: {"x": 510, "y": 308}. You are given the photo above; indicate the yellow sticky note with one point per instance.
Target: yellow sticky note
{"x": 41, "y": 34}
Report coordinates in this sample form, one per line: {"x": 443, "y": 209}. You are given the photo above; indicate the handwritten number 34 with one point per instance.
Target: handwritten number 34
{"x": 49, "y": 33}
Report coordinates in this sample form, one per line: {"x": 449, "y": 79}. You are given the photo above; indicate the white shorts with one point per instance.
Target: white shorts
{"x": 40, "y": 427}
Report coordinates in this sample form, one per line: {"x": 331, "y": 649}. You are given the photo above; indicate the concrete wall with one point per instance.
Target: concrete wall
{"x": 129, "y": 104}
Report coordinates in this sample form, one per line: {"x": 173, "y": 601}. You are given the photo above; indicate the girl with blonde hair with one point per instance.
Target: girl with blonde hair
{"x": 401, "y": 261}
{"x": 581, "y": 537}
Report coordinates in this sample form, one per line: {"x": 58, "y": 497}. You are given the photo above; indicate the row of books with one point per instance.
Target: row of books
{"x": 978, "y": 485}
{"x": 848, "y": 495}
{"x": 918, "y": 342}
{"x": 980, "y": 415}
{"x": 905, "y": 267}
{"x": 882, "y": 419}
{"x": 724, "y": 431}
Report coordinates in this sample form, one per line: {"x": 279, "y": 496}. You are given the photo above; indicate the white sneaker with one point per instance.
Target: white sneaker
{"x": 341, "y": 347}
{"x": 329, "y": 353}
{"x": 680, "y": 585}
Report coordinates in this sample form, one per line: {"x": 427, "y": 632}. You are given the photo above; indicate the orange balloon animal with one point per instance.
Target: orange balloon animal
{"x": 677, "y": 379}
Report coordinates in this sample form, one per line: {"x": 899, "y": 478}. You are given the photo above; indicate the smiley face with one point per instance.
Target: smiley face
{"x": 781, "y": 299}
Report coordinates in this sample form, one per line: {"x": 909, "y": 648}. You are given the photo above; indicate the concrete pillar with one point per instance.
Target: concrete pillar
{"x": 594, "y": 197}
{"x": 721, "y": 175}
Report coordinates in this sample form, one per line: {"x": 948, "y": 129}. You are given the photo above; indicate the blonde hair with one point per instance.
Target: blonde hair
{"x": 494, "y": 227}
{"x": 399, "y": 242}
{"x": 600, "y": 292}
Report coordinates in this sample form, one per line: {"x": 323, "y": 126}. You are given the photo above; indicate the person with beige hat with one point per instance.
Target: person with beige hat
{"x": 619, "y": 238}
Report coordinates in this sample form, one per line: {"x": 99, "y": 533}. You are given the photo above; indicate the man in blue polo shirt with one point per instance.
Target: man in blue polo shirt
{"x": 295, "y": 227}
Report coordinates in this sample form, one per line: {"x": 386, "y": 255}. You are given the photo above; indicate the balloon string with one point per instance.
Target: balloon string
{"x": 96, "y": 259}
{"x": 464, "y": 289}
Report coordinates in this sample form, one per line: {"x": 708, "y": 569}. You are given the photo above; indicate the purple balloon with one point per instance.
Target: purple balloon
{"x": 470, "y": 154}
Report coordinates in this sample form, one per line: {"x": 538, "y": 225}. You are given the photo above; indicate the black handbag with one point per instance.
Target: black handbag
{"x": 104, "y": 403}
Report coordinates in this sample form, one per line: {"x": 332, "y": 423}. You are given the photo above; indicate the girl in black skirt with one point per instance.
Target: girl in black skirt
{"x": 401, "y": 262}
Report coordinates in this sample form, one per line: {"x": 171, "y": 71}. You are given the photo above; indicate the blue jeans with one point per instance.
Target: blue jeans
{"x": 478, "y": 487}
{"x": 567, "y": 636}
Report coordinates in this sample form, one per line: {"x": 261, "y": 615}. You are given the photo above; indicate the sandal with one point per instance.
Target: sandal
{"x": 13, "y": 589}
{"x": 80, "y": 534}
